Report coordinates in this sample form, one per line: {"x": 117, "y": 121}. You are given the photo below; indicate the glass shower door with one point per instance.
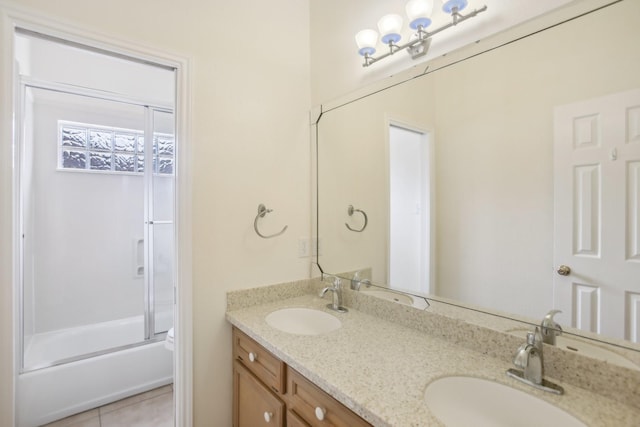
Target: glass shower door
{"x": 83, "y": 226}
{"x": 161, "y": 225}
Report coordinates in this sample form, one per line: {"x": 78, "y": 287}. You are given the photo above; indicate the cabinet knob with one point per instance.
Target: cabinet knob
{"x": 253, "y": 357}
{"x": 320, "y": 413}
{"x": 268, "y": 416}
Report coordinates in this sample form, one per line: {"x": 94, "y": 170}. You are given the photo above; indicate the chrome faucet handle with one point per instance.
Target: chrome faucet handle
{"x": 534, "y": 342}
{"x": 520, "y": 359}
{"x": 336, "y": 289}
{"x": 549, "y": 328}
{"x": 357, "y": 282}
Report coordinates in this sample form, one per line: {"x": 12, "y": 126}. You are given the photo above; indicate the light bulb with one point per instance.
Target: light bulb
{"x": 390, "y": 27}
{"x": 366, "y": 41}
{"x": 449, "y": 5}
{"x": 419, "y": 13}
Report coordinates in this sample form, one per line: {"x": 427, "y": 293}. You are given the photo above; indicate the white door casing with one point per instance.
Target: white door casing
{"x": 597, "y": 214}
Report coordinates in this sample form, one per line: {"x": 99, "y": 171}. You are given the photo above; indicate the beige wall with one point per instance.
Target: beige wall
{"x": 250, "y": 145}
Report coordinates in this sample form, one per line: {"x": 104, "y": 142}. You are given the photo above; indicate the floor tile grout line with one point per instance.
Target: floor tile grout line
{"x": 100, "y": 408}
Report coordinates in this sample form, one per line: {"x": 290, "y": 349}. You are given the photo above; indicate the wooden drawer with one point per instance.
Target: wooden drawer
{"x": 307, "y": 400}
{"x": 293, "y": 420}
{"x": 254, "y": 405}
{"x": 264, "y": 365}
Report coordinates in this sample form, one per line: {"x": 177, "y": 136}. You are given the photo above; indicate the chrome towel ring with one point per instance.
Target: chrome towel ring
{"x": 350, "y": 211}
{"x": 262, "y": 211}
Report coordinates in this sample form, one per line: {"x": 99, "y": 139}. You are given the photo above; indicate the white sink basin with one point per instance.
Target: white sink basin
{"x": 468, "y": 401}
{"x": 303, "y": 321}
{"x": 391, "y": 296}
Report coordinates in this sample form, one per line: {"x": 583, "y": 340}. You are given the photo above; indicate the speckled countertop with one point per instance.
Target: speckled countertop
{"x": 380, "y": 369}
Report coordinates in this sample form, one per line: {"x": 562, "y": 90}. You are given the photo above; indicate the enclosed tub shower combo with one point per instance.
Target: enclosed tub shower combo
{"x": 95, "y": 227}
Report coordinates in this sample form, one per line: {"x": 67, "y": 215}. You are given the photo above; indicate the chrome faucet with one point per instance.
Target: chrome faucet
{"x": 549, "y": 328}
{"x": 356, "y": 282}
{"x": 336, "y": 288}
{"x": 529, "y": 359}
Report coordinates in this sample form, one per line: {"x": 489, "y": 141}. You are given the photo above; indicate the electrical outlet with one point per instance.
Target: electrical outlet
{"x": 307, "y": 247}
{"x": 304, "y": 248}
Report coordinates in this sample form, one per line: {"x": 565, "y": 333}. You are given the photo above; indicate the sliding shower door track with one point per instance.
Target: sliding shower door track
{"x": 157, "y": 338}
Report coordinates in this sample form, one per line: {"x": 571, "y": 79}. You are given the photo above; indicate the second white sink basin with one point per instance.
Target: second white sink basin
{"x": 467, "y": 401}
{"x": 303, "y": 321}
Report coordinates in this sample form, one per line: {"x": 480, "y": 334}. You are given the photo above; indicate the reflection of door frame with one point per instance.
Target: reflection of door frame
{"x": 427, "y": 135}
{"x": 183, "y": 380}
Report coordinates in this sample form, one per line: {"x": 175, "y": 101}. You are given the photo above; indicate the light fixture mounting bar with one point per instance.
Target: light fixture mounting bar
{"x": 456, "y": 18}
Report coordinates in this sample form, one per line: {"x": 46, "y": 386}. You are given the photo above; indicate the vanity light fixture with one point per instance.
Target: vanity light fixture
{"x": 419, "y": 14}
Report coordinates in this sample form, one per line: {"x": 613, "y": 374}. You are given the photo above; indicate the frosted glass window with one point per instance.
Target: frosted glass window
{"x": 100, "y": 161}
{"x": 125, "y": 162}
{"x": 72, "y": 137}
{"x": 96, "y": 148}
{"x": 125, "y": 142}
{"x": 100, "y": 140}
{"x": 74, "y": 159}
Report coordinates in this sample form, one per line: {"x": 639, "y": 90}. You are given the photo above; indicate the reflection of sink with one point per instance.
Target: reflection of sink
{"x": 391, "y": 296}
{"x": 467, "y": 401}
{"x": 585, "y": 348}
{"x": 595, "y": 351}
{"x": 303, "y": 321}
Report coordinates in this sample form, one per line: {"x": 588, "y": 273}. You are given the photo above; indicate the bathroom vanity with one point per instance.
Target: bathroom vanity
{"x": 266, "y": 391}
{"x": 377, "y": 366}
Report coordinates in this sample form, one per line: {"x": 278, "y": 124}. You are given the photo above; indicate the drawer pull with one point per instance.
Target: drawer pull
{"x": 253, "y": 356}
{"x": 268, "y": 416}
{"x": 320, "y": 413}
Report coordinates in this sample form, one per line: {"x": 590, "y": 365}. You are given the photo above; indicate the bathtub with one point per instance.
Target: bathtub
{"x": 51, "y": 393}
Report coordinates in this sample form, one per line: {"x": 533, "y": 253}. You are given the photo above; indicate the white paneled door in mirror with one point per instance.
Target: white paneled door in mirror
{"x": 597, "y": 214}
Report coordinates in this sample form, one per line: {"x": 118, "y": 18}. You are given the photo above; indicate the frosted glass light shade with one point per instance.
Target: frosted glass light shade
{"x": 390, "y": 27}
{"x": 419, "y": 13}
{"x": 366, "y": 41}
{"x": 450, "y": 4}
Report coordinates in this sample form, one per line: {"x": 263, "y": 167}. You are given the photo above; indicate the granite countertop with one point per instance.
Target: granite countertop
{"x": 380, "y": 369}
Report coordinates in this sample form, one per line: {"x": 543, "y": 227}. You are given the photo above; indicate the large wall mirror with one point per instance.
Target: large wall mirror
{"x": 475, "y": 182}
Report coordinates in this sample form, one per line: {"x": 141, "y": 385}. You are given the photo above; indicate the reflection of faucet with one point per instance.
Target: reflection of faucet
{"x": 529, "y": 359}
{"x": 549, "y": 328}
{"x": 356, "y": 282}
{"x": 336, "y": 305}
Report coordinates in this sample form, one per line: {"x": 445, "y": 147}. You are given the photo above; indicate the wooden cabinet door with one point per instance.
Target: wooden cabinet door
{"x": 254, "y": 405}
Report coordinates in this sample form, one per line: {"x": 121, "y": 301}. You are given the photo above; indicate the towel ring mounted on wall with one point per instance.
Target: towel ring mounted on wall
{"x": 262, "y": 211}
{"x": 350, "y": 211}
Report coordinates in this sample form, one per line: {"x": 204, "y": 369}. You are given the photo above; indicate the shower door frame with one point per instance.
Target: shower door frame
{"x": 150, "y": 335}
{"x": 12, "y": 19}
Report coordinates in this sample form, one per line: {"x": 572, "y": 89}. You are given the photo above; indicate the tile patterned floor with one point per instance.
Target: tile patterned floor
{"x": 151, "y": 409}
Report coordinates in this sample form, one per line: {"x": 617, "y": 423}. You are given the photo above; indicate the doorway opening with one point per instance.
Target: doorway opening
{"x": 410, "y": 208}
{"x": 96, "y": 236}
